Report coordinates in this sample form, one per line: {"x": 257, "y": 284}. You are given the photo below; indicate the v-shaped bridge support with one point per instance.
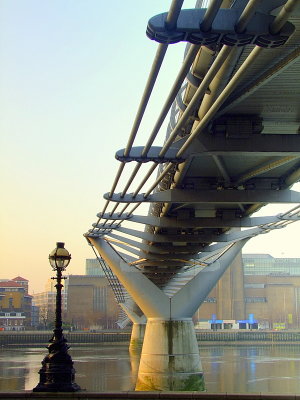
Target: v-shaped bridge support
{"x": 170, "y": 357}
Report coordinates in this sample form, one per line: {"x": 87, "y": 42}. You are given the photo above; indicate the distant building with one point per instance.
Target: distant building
{"x": 264, "y": 264}
{"x": 21, "y": 281}
{"x": 15, "y": 304}
{"x": 45, "y": 304}
{"x": 93, "y": 267}
{"x": 91, "y": 303}
{"x": 272, "y": 290}
{"x": 87, "y": 301}
{"x": 258, "y": 290}
{"x": 226, "y": 300}
{"x": 35, "y": 316}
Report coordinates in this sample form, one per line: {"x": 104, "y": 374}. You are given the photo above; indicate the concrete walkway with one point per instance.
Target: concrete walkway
{"x": 146, "y": 395}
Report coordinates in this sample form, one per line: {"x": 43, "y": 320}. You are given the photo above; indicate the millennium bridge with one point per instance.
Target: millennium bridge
{"x": 232, "y": 146}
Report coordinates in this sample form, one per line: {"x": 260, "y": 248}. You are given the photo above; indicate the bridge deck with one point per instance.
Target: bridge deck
{"x": 232, "y": 146}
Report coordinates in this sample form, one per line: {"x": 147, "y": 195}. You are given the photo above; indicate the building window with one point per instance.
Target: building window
{"x": 99, "y": 298}
{"x": 255, "y": 300}
{"x": 254, "y": 285}
{"x": 210, "y": 300}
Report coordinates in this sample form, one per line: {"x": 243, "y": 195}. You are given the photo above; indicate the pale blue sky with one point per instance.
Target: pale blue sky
{"x": 72, "y": 75}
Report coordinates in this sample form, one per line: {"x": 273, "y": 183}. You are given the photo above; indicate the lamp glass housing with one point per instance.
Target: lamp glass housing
{"x": 59, "y": 258}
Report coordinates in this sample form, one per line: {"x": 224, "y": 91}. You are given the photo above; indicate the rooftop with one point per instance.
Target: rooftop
{"x": 19, "y": 278}
{"x": 10, "y": 284}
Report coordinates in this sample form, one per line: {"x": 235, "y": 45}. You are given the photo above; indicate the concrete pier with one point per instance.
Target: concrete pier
{"x": 170, "y": 357}
{"x": 137, "y": 338}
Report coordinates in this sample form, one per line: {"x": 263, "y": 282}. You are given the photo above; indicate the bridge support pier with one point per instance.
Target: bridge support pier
{"x": 138, "y": 319}
{"x": 170, "y": 357}
{"x": 137, "y": 337}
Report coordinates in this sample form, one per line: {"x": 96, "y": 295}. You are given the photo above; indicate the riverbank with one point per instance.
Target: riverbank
{"x": 123, "y": 337}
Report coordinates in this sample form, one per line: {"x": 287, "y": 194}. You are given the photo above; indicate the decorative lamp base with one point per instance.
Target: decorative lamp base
{"x": 57, "y": 373}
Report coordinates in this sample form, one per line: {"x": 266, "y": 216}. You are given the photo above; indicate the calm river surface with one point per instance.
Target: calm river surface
{"x": 233, "y": 369}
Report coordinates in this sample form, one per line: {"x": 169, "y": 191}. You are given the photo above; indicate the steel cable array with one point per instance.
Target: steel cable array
{"x": 106, "y": 220}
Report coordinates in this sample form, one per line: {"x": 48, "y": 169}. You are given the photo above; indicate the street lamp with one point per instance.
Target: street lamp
{"x": 57, "y": 373}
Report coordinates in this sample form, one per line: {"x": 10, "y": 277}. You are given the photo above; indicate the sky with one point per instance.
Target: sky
{"x": 72, "y": 76}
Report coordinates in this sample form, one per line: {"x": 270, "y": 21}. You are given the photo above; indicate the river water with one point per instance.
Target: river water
{"x": 232, "y": 369}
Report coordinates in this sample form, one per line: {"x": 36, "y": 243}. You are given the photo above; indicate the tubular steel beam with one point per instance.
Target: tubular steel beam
{"x": 229, "y": 88}
{"x": 262, "y": 168}
{"x": 210, "y": 15}
{"x": 282, "y": 17}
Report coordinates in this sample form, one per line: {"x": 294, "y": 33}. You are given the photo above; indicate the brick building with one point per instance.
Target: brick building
{"x": 91, "y": 303}
{"x": 15, "y": 304}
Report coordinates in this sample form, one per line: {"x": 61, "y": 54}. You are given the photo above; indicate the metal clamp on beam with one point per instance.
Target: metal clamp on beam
{"x": 114, "y": 217}
{"x": 136, "y": 154}
{"x": 93, "y": 234}
{"x": 223, "y": 31}
{"x": 101, "y": 230}
{"x": 104, "y": 228}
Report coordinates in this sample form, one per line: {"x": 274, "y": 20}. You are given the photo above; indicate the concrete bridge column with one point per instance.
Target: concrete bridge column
{"x": 137, "y": 337}
{"x": 135, "y": 348}
{"x": 170, "y": 357}
{"x": 135, "y": 314}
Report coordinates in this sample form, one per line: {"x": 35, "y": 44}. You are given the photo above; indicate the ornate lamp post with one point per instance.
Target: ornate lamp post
{"x": 57, "y": 373}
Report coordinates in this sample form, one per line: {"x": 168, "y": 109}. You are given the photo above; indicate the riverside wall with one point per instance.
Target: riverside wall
{"x": 145, "y": 395}
{"x": 123, "y": 337}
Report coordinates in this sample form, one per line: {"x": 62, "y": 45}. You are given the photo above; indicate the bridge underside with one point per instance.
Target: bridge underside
{"x": 232, "y": 147}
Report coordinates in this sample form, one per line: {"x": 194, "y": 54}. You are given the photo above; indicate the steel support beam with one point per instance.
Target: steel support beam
{"x": 185, "y": 238}
{"x": 194, "y": 222}
{"x": 256, "y": 144}
{"x": 151, "y": 300}
{"x": 225, "y": 196}
{"x": 187, "y": 300}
